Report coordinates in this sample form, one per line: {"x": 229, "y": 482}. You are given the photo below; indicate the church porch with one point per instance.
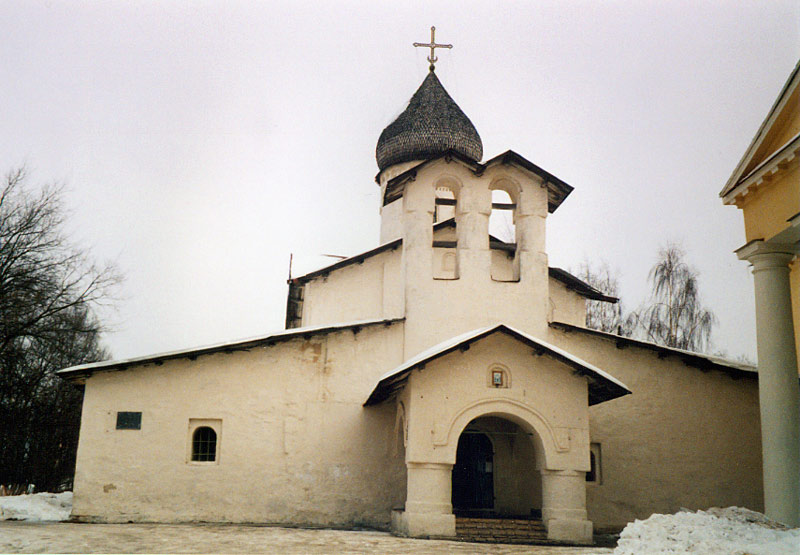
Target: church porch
{"x": 494, "y": 429}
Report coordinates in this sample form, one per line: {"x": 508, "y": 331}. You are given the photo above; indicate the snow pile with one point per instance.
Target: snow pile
{"x": 732, "y": 531}
{"x": 37, "y": 506}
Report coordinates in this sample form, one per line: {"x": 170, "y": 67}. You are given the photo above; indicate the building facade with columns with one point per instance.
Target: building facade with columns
{"x": 444, "y": 375}
{"x": 766, "y": 186}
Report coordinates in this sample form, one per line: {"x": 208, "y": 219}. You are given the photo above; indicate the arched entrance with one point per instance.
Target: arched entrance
{"x": 473, "y": 473}
{"x": 496, "y": 471}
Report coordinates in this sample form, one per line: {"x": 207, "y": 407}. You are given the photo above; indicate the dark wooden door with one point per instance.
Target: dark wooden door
{"x": 473, "y": 473}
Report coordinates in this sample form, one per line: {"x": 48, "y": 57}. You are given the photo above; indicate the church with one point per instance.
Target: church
{"x": 441, "y": 379}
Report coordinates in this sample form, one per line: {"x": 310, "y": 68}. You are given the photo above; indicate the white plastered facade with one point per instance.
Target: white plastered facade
{"x": 300, "y": 444}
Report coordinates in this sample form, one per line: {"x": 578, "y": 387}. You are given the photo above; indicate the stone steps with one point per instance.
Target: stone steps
{"x": 501, "y": 530}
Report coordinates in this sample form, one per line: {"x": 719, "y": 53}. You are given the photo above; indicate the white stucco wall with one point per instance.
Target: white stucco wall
{"x": 458, "y": 383}
{"x": 296, "y": 445}
{"x": 566, "y": 305}
{"x": 372, "y": 289}
{"x": 475, "y": 297}
{"x": 684, "y": 438}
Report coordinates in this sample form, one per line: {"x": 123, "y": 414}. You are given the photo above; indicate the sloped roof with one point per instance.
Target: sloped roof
{"x": 557, "y": 190}
{"x": 579, "y": 286}
{"x": 602, "y": 386}
{"x": 355, "y": 259}
{"x": 570, "y": 281}
{"x": 83, "y": 370}
{"x": 745, "y": 168}
{"x": 431, "y": 125}
{"x": 698, "y": 360}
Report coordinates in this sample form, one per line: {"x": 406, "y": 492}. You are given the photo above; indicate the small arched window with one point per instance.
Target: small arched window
{"x": 204, "y": 444}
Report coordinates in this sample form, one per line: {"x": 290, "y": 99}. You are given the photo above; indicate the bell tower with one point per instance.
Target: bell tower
{"x": 438, "y": 197}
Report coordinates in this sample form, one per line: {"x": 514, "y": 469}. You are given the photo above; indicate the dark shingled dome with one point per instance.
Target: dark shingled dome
{"x": 430, "y": 126}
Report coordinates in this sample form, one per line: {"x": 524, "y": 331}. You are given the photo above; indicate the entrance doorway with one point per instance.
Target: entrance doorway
{"x": 495, "y": 472}
{"x": 473, "y": 473}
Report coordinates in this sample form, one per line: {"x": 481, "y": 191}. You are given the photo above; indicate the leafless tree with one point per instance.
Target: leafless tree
{"x": 673, "y": 315}
{"x": 48, "y": 289}
{"x": 600, "y": 315}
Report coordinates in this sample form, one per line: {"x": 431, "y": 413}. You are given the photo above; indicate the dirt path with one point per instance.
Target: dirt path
{"x": 62, "y": 537}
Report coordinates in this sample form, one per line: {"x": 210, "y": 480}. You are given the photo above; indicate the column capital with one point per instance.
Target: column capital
{"x": 767, "y": 254}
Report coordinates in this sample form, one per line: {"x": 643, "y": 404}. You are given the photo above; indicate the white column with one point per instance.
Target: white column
{"x": 564, "y": 506}
{"x": 779, "y": 393}
{"x": 428, "y": 511}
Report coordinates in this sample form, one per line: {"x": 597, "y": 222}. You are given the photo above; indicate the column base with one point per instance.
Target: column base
{"x": 572, "y": 531}
{"x": 423, "y": 525}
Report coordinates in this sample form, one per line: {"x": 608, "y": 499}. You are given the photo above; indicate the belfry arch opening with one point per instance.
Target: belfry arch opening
{"x": 496, "y": 471}
{"x": 445, "y": 233}
{"x": 503, "y": 236}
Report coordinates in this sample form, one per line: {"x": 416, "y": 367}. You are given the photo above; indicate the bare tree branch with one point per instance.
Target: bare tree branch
{"x": 48, "y": 291}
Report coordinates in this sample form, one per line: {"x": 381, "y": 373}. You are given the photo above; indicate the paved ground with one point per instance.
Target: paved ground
{"x": 63, "y": 537}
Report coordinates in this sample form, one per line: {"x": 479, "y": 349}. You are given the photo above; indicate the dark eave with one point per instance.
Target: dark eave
{"x": 557, "y": 190}
{"x": 571, "y": 282}
{"x": 357, "y": 259}
{"x": 579, "y": 286}
{"x": 689, "y": 358}
{"x": 602, "y": 386}
{"x": 86, "y": 370}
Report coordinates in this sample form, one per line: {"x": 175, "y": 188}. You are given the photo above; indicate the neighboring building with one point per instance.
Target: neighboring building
{"x": 444, "y": 370}
{"x": 766, "y": 186}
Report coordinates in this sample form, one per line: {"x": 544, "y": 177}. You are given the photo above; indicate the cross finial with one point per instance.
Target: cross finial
{"x": 432, "y": 45}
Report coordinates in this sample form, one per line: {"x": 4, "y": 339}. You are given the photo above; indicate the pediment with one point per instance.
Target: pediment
{"x": 780, "y": 128}
{"x": 557, "y": 190}
{"x": 602, "y": 386}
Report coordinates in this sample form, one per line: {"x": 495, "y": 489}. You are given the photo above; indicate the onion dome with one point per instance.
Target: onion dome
{"x": 431, "y": 125}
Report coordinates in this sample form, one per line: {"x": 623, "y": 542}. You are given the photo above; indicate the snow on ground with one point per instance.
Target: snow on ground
{"x": 732, "y": 531}
{"x": 37, "y": 506}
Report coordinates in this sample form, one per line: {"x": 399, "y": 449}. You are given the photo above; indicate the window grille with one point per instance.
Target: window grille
{"x": 204, "y": 444}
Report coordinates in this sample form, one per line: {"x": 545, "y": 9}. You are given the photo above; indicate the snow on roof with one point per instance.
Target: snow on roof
{"x": 281, "y": 335}
{"x": 700, "y": 360}
{"x": 602, "y": 386}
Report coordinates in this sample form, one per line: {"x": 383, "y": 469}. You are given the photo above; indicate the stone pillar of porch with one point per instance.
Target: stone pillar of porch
{"x": 564, "y": 506}
{"x": 428, "y": 511}
{"x": 778, "y": 391}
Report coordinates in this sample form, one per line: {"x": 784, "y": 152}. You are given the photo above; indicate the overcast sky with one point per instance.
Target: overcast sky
{"x": 200, "y": 143}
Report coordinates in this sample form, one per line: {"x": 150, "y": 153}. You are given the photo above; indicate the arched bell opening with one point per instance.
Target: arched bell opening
{"x": 503, "y": 233}
{"x": 495, "y": 472}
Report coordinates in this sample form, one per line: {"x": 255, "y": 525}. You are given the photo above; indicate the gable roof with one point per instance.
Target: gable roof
{"x": 690, "y": 358}
{"x": 570, "y": 281}
{"x": 85, "y": 370}
{"x": 744, "y": 169}
{"x": 602, "y": 386}
{"x": 557, "y": 190}
{"x": 355, "y": 259}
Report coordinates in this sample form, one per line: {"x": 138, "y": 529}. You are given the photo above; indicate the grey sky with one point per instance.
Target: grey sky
{"x": 203, "y": 142}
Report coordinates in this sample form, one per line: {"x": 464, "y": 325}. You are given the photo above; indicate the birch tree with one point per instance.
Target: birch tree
{"x": 673, "y": 315}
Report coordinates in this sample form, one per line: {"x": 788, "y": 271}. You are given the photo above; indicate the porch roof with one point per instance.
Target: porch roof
{"x": 602, "y": 386}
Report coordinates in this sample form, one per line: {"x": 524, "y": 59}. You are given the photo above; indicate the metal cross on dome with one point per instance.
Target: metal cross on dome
{"x": 432, "y": 45}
